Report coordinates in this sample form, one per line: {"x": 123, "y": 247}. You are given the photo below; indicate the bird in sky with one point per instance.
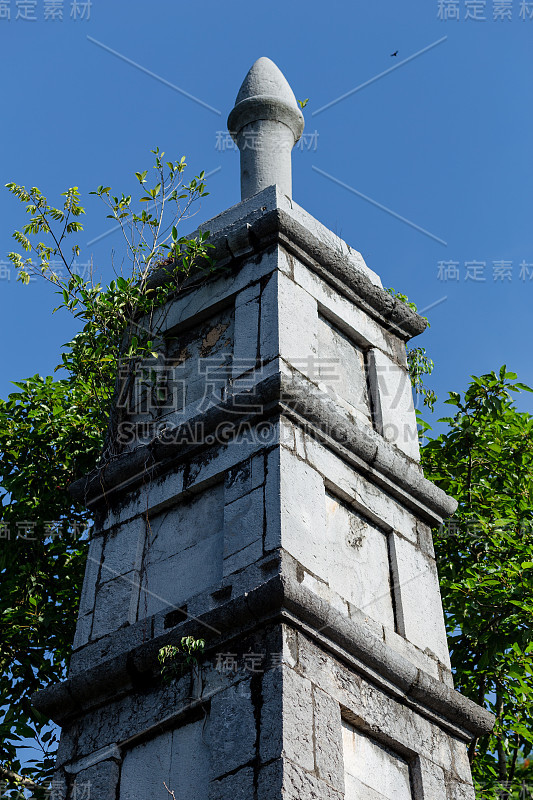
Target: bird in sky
{"x": 394, "y": 54}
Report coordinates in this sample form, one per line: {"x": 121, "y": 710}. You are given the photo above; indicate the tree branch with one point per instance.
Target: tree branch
{"x": 27, "y": 783}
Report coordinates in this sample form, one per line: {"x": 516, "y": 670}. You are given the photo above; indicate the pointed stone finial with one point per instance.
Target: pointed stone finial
{"x": 266, "y": 123}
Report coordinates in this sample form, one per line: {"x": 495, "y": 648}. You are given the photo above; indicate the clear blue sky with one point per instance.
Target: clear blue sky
{"x": 443, "y": 141}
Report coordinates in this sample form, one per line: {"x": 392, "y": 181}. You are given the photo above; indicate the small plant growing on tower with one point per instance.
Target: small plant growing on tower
{"x": 176, "y": 660}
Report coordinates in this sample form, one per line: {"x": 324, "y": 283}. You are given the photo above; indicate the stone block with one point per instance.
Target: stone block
{"x": 287, "y": 718}
{"x": 299, "y": 443}
{"x": 298, "y": 327}
{"x": 272, "y": 499}
{"x": 208, "y": 469}
{"x": 392, "y": 396}
{"x": 92, "y": 571}
{"x": 320, "y": 587}
{"x": 289, "y": 324}
{"x": 460, "y": 762}
{"x": 429, "y": 782}
{"x": 238, "y": 481}
{"x": 258, "y": 470}
{"x": 83, "y": 631}
{"x": 232, "y": 729}
{"x": 418, "y": 601}
{"x": 99, "y": 782}
{"x": 363, "y": 618}
{"x": 289, "y": 646}
{"x": 183, "y": 525}
{"x": 199, "y": 359}
{"x": 239, "y": 786}
{"x": 412, "y": 653}
{"x": 243, "y": 558}
{"x": 425, "y": 539}
{"x": 342, "y": 370}
{"x": 179, "y": 758}
{"x": 302, "y": 531}
{"x": 123, "y": 549}
{"x": 170, "y": 583}
{"x": 269, "y": 322}
{"x": 243, "y": 522}
{"x": 370, "y": 499}
{"x": 66, "y": 750}
{"x": 113, "y": 600}
{"x": 372, "y": 771}
{"x": 384, "y": 715}
{"x": 284, "y": 779}
{"x": 345, "y": 313}
{"x": 183, "y": 551}
{"x": 246, "y": 348}
{"x": 328, "y": 739}
{"x": 287, "y": 434}
{"x": 247, "y": 294}
{"x": 59, "y": 786}
{"x": 356, "y": 550}
{"x": 460, "y": 791}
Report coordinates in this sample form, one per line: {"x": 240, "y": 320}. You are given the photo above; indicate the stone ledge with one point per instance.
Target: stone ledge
{"x": 306, "y": 405}
{"x": 278, "y": 226}
{"x": 282, "y": 599}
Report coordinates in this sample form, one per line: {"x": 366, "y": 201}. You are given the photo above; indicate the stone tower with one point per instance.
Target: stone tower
{"x": 274, "y": 506}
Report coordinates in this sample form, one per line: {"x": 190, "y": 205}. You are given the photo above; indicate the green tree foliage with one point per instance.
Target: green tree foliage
{"x": 53, "y": 431}
{"x": 485, "y": 557}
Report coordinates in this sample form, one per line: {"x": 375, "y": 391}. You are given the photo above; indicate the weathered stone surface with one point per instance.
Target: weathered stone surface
{"x": 123, "y": 549}
{"x": 394, "y": 408}
{"x": 92, "y": 571}
{"x": 287, "y": 718}
{"x": 409, "y": 651}
{"x": 178, "y": 758}
{"x": 284, "y": 779}
{"x": 342, "y": 370}
{"x": 239, "y": 786}
{"x": 100, "y": 781}
{"x": 429, "y": 781}
{"x": 183, "y": 552}
{"x": 232, "y": 729}
{"x": 328, "y": 739}
{"x": 372, "y": 771}
{"x": 425, "y": 539}
{"x": 387, "y": 718}
{"x": 460, "y": 791}
{"x": 59, "y": 788}
{"x": 83, "y": 631}
{"x": 113, "y": 607}
{"x": 243, "y": 558}
{"x": 460, "y": 765}
{"x": 372, "y": 500}
{"x": 418, "y": 601}
{"x": 356, "y": 549}
{"x": 110, "y": 753}
{"x": 303, "y": 513}
{"x": 243, "y": 523}
{"x": 246, "y": 348}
